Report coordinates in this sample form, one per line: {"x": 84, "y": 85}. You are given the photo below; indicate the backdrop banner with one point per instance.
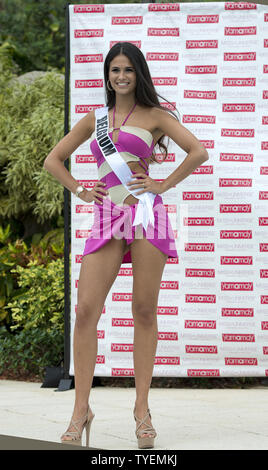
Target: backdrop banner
{"x": 210, "y": 61}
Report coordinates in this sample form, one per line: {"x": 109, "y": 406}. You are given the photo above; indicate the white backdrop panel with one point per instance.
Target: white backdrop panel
{"x": 210, "y": 60}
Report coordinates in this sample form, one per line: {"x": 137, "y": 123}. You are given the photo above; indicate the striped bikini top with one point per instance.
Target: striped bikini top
{"x": 133, "y": 144}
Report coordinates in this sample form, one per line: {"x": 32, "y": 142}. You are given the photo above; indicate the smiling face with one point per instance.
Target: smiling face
{"x": 122, "y": 75}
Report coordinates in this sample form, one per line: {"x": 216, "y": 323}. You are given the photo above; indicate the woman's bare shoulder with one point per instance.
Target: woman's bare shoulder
{"x": 147, "y": 118}
{"x": 155, "y": 114}
{"x": 148, "y": 112}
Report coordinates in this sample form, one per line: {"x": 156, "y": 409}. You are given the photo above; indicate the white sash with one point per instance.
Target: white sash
{"x": 144, "y": 212}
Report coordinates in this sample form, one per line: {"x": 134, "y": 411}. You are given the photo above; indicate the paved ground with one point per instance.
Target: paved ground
{"x": 185, "y": 419}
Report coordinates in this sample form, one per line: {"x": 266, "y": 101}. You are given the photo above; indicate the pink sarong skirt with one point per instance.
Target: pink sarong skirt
{"x": 111, "y": 220}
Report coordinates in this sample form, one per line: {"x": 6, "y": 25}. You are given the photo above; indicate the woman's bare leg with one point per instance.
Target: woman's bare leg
{"x": 97, "y": 273}
{"x": 147, "y": 266}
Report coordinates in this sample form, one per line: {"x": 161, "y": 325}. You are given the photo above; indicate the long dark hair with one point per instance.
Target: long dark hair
{"x": 145, "y": 92}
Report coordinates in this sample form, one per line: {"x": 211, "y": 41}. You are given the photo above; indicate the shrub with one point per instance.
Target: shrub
{"x": 42, "y": 250}
{"x": 39, "y": 301}
{"x": 36, "y": 335}
{"x": 29, "y": 351}
{"x": 28, "y": 133}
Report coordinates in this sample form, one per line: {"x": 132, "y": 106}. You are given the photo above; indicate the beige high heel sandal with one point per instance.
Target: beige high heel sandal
{"x": 145, "y": 442}
{"x": 77, "y": 435}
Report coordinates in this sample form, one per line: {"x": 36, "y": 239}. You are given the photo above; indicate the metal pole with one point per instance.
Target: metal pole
{"x": 66, "y": 383}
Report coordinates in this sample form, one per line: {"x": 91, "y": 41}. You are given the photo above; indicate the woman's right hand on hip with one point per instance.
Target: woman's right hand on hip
{"x": 96, "y": 194}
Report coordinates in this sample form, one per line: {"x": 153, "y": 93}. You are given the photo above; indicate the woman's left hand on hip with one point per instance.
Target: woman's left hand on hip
{"x": 146, "y": 183}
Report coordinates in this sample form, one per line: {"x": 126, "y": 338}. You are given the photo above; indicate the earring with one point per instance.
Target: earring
{"x": 110, "y": 89}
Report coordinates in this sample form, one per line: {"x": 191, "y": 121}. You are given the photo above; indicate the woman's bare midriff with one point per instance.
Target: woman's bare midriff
{"x": 131, "y": 200}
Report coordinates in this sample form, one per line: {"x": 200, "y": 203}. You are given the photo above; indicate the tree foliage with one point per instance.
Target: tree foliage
{"x": 36, "y": 30}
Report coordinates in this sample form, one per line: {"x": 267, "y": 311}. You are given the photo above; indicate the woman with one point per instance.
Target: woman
{"x": 131, "y": 98}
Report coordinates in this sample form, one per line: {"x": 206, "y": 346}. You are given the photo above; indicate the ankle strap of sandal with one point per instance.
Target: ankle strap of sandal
{"x": 149, "y": 429}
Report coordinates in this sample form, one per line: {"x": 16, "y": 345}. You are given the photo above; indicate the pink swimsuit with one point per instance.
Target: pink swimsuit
{"x": 133, "y": 144}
